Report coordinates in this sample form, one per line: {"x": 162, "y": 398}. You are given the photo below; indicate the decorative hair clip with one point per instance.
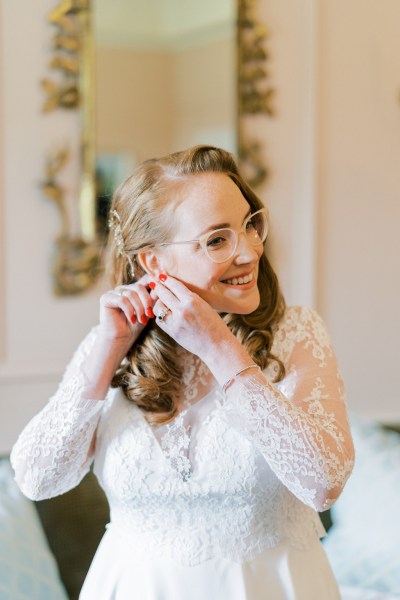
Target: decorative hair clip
{"x": 114, "y": 223}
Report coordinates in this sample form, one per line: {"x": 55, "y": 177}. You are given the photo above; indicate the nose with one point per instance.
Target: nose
{"x": 245, "y": 252}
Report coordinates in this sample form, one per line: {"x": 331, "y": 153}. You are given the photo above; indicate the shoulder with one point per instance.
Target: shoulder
{"x": 301, "y": 325}
{"x": 301, "y": 318}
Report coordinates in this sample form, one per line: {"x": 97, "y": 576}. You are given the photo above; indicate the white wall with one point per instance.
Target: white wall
{"x": 334, "y": 151}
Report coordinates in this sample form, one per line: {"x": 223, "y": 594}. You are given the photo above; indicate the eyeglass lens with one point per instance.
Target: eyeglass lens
{"x": 221, "y": 244}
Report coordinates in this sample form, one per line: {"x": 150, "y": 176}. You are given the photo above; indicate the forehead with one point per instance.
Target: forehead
{"x": 207, "y": 199}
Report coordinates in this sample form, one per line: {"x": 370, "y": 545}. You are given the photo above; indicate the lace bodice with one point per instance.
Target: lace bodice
{"x": 229, "y": 476}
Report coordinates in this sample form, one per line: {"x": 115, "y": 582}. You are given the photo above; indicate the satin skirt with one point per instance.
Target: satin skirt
{"x": 278, "y": 573}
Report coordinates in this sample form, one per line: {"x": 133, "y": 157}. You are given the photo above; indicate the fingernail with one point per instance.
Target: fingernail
{"x": 149, "y": 312}
{"x": 152, "y": 285}
{"x": 133, "y": 319}
{"x": 162, "y": 277}
{"x": 143, "y": 320}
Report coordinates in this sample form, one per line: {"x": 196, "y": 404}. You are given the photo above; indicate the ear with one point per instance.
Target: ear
{"x": 150, "y": 261}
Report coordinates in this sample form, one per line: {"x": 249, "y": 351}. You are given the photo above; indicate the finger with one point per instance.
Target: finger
{"x": 166, "y": 296}
{"x": 131, "y": 305}
{"x": 143, "y": 296}
{"x": 162, "y": 312}
{"x": 140, "y": 289}
{"x": 179, "y": 289}
{"x": 147, "y": 282}
{"x": 114, "y": 300}
{"x": 141, "y": 301}
{"x": 154, "y": 295}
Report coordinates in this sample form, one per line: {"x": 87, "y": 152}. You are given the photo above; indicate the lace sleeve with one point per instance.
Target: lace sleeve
{"x": 52, "y": 454}
{"x": 299, "y": 424}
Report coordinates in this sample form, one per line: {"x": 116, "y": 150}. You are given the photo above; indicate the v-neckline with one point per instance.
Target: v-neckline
{"x": 184, "y": 466}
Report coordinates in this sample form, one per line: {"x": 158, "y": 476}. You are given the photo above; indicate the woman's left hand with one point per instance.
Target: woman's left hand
{"x": 188, "y": 319}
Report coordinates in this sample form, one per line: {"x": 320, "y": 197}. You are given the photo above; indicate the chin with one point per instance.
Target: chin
{"x": 239, "y": 308}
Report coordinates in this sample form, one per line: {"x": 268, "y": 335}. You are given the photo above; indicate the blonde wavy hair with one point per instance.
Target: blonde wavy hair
{"x": 150, "y": 375}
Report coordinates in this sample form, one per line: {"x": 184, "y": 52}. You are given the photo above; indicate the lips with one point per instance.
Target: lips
{"x": 243, "y": 279}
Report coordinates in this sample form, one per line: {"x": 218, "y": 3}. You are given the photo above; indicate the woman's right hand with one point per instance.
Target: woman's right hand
{"x": 125, "y": 311}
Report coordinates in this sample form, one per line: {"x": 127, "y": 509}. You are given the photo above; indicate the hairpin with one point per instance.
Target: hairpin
{"x": 114, "y": 223}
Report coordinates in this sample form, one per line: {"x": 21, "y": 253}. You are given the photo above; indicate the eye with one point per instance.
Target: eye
{"x": 216, "y": 241}
{"x": 253, "y": 224}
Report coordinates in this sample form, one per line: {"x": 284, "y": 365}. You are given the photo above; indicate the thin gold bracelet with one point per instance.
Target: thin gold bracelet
{"x": 229, "y": 381}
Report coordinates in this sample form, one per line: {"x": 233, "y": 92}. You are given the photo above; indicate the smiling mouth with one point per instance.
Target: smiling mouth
{"x": 239, "y": 280}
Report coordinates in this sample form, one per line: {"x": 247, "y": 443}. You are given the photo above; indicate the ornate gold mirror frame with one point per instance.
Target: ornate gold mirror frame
{"x": 76, "y": 264}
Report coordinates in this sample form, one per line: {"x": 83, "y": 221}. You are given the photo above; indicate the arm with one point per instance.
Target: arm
{"x": 52, "y": 453}
{"x": 55, "y": 450}
{"x": 300, "y": 425}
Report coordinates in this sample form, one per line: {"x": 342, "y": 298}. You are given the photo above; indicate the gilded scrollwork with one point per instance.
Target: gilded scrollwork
{"x": 76, "y": 264}
{"x": 64, "y": 91}
{"x": 254, "y": 90}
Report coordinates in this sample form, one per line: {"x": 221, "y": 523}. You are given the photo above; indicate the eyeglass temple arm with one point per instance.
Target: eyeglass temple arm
{"x": 172, "y": 243}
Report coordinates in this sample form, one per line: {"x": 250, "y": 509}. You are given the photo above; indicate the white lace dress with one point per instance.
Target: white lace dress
{"x": 219, "y": 504}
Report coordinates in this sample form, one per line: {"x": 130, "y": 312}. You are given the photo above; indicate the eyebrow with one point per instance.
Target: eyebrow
{"x": 223, "y": 225}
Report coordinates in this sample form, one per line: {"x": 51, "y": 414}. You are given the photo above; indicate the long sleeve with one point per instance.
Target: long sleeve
{"x": 300, "y": 424}
{"x": 52, "y": 454}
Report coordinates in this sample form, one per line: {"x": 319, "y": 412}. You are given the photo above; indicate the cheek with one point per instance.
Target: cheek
{"x": 170, "y": 265}
{"x": 209, "y": 276}
{"x": 199, "y": 277}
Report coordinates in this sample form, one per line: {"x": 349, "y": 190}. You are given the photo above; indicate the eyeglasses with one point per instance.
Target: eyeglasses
{"x": 221, "y": 244}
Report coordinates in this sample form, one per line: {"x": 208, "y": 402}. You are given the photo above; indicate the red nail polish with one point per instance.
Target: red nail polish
{"x": 149, "y": 312}
{"x": 162, "y": 277}
{"x": 143, "y": 320}
{"x": 133, "y": 319}
{"x": 152, "y": 285}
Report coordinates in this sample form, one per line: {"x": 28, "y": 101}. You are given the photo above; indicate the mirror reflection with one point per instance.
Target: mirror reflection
{"x": 165, "y": 80}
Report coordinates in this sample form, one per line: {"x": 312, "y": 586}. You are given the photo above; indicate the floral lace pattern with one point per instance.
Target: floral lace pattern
{"x": 228, "y": 477}
{"x": 175, "y": 445}
{"x": 304, "y": 432}
{"x": 51, "y": 455}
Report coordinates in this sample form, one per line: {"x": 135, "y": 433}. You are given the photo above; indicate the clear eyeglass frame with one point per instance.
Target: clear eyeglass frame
{"x": 219, "y": 255}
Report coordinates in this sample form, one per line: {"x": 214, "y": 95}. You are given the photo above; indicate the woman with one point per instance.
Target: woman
{"x": 214, "y": 414}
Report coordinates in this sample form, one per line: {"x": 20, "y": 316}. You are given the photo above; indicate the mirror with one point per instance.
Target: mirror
{"x": 165, "y": 80}
{"x": 149, "y": 78}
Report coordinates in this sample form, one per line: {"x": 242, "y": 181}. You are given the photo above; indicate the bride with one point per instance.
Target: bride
{"x": 213, "y": 414}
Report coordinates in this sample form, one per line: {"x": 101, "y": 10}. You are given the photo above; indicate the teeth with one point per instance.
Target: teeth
{"x": 240, "y": 280}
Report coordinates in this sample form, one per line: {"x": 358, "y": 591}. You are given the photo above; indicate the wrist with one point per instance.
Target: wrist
{"x": 100, "y": 365}
{"x": 234, "y": 377}
{"x": 225, "y": 357}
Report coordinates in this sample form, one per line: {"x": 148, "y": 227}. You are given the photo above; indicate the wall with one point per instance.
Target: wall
{"x": 334, "y": 191}
{"x": 359, "y": 196}
{"x": 38, "y": 331}
{"x": 333, "y": 149}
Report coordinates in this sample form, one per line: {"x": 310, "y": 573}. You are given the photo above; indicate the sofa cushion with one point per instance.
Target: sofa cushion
{"x": 363, "y": 543}
{"x": 28, "y": 571}
{"x": 74, "y": 524}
